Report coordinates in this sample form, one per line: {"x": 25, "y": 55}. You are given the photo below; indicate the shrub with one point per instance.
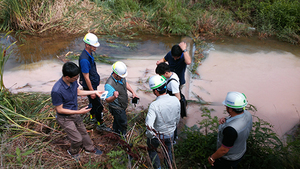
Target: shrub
{"x": 265, "y": 150}
{"x": 281, "y": 18}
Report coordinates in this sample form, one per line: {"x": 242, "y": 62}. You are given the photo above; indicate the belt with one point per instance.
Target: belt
{"x": 63, "y": 114}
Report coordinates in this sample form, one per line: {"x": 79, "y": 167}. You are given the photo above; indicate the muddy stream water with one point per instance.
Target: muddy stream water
{"x": 266, "y": 71}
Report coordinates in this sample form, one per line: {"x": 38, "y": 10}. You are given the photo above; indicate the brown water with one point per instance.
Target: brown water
{"x": 266, "y": 71}
{"x": 35, "y": 49}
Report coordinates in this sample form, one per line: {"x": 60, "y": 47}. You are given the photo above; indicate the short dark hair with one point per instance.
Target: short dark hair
{"x": 176, "y": 51}
{"x": 162, "y": 89}
{"x": 70, "y": 69}
{"x": 238, "y": 111}
{"x": 162, "y": 68}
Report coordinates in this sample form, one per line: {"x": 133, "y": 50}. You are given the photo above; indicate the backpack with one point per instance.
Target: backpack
{"x": 183, "y": 102}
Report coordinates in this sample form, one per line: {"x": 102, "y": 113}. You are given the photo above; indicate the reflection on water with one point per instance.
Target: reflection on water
{"x": 35, "y": 48}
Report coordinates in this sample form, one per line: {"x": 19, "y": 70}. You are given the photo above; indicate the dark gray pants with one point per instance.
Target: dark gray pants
{"x": 76, "y": 133}
{"x": 120, "y": 120}
{"x": 152, "y": 151}
{"x": 97, "y": 107}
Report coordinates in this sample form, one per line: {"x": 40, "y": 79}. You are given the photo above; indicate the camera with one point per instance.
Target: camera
{"x": 135, "y": 100}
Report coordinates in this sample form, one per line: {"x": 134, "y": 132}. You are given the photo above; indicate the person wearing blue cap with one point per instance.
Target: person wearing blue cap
{"x": 233, "y": 133}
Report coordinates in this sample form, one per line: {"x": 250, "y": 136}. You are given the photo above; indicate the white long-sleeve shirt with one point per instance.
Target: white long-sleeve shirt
{"x": 163, "y": 115}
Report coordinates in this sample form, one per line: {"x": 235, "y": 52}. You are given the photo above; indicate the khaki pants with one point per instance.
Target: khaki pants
{"x": 76, "y": 133}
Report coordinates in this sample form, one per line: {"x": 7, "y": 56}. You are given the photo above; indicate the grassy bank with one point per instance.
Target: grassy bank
{"x": 31, "y": 138}
{"x": 128, "y": 18}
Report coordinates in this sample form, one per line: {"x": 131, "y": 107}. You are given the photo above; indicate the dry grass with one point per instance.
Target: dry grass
{"x": 210, "y": 25}
{"x": 40, "y": 143}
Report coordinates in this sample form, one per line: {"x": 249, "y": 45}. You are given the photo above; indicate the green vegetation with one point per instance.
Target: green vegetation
{"x": 128, "y": 18}
{"x": 30, "y": 137}
{"x": 264, "y": 148}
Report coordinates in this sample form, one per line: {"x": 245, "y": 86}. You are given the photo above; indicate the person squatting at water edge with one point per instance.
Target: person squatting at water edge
{"x": 117, "y": 97}
{"x": 233, "y": 133}
{"x": 178, "y": 58}
{"x": 161, "y": 121}
{"x": 64, "y": 97}
{"x": 90, "y": 79}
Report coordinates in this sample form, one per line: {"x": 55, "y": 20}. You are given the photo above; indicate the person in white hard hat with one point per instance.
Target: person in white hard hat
{"x": 233, "y": 133}
{"x": 90, "y": 79}
{"x": 161, "y": 121}
{"x": 163, "y": 69}
{"x": 117, "y": 97}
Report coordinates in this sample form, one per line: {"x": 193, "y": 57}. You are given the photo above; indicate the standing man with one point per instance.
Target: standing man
{"x": 90, "y": 79}
{"x": 117, "y": 97}
{"x": 64, "y": 97}
{"x": 161, "y": 121}
{"x": 233, "y": 133}
{"x": 178, "y": 58}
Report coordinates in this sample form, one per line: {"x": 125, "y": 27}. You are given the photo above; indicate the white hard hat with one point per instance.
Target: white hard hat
{"x": 91, "y": 39}
{"x": 235, "y": 100}
{"x": 120, "y": 68}
{"x": 156, "y": 81}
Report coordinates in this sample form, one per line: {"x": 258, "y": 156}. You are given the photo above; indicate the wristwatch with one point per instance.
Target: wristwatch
{"x": 184, "y": 50}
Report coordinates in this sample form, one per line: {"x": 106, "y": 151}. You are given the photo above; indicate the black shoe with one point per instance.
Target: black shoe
{"x": 95, "y": 151}
{"x": 76, "y": 157}
{"x": 103, "y": 127}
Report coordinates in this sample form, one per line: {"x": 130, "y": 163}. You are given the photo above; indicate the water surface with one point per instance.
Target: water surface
{"x": 267, "y": 71}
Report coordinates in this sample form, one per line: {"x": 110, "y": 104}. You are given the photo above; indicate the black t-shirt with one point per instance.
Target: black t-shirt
{"x": 229, "y": 136}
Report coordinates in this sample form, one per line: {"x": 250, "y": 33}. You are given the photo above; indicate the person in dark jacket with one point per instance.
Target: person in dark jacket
{"x": 178, "y": 58}
{"x": 90, "y": 79}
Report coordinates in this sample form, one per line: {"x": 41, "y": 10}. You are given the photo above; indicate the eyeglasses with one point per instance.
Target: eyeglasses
{"x": 75, "y": 77}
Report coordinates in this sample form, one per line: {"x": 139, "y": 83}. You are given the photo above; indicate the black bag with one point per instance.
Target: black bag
{"x": 183, "y": 102}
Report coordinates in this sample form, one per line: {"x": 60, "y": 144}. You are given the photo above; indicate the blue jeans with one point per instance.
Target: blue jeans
{"x": 152, "y": 150}
{"x": 120, "y": 120}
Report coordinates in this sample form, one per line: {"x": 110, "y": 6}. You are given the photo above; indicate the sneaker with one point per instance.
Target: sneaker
{"x": 95, "y": 151}
{"x": 74, "y": 156}
{"x": 103, "y": 127}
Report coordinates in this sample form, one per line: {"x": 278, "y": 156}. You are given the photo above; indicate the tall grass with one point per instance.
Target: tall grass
{"x": 47, "y": 16}
{"x": 128, "y": 18}
{"x": 280, "y": 18}
{"x": 5, "y": 54}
